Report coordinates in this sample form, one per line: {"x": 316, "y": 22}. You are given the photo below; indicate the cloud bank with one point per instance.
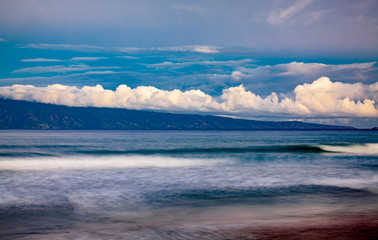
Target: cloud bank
{"x": 322, "y": 98}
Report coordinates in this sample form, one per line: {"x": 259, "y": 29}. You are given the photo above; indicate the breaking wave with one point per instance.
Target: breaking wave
{"x": 363, "y": 149}
{"x": 104, "y": 162}
{"x": 35, "y": 151}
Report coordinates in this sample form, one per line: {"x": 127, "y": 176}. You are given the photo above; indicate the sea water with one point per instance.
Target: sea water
{"x": 183, "y": 184}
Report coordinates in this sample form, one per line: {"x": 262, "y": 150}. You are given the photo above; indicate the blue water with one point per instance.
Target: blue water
{"x": 177, "y": 184}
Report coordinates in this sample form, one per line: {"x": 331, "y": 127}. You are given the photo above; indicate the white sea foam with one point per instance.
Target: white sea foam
{"x": 368, "y": 183}
{"x": 364, "y": 149}
{"x": 108, "y": 162}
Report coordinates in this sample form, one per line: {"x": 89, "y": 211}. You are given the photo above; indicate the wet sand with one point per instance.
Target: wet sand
{"x": 358, "y": 226}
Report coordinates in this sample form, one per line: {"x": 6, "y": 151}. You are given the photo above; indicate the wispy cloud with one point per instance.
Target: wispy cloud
{"x": 363, "y": 4}
{"x": 58, "y": 77}
{"x": 214, "y": 63}
{"x": 60, "y": 60}
{"x": 128, "y": 57}
{"x": 2, "y": 40}
{"x": 96, "y": 73}
{"x": 72, "y": 47}
{"x": 301, "y": 68}
{"x": 59, "y": 69}
{"x": 89, "y": 48}
{"x": 196, "y": 48}
{"x": 41, "y": 60}
{"x": 296, "y": 68}
{"x": 320, "y": 98}
{"x": 283, "y": 15}
{"x": 88, "y": 58}
{"x": 362, "y": 20}
{"x": 315, "y": 16}
{"x": 189, "y": 8}
{"x": 199, "y": 49}
{"x": 23, "y": 79}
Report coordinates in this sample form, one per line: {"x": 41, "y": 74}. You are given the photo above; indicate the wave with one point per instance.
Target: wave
{"x": 104, "y": 162}
{"x": 345, "y": 149}
{"x": 363, "y": 149}
{"x": 199, "y": 196}
{"x": 287, "y": 148}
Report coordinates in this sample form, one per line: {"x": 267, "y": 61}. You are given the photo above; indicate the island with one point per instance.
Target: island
{"x": 17, "y": 114}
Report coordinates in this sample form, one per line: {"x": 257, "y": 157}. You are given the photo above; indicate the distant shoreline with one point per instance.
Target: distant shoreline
{"x": 16, "y": 114}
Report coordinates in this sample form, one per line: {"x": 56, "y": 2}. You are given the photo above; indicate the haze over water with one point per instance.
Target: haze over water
{"x": 187, "y": 184}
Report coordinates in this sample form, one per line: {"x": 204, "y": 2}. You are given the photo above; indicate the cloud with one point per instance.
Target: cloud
{"x": 72, "y": 77}
{"x": 315, "y": 16}
{"x": 127, "y": 57}
{"x": 65, "y": 47}
{"x": 173, "y": 23}
{"x": 124, "y": 97}
{"x": 348, "y": 72}
{"x": 59, "y": 60}
{"x": 88, "y": 58}
{"x": 214, "y": 63}
{"x": 98, "y": 73}
{"x": 298, "y": 68}
{"x": 189, "y": 8}
{"x": 2, "y": 40}
{"x": 197, "y": 48}
{"x": 362, "y": 20}
{"x": 237, "y": 75}
{"x": 23, "y": 79}
{"x": 90, "y": 48}
{"x": 320, "y": 98}
{"x": 336, "y": 98}
{"x": 283, "y": 15}
{"x": 205, "y": 49}
{"x": 41, "y": 60}
{"x": 59, "y": 69}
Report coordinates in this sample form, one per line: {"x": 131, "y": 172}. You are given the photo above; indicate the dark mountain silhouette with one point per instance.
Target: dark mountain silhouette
{"x": 16, "y": 114}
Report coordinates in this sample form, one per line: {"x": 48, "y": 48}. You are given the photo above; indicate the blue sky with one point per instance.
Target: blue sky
{"x": 304, "y": 60}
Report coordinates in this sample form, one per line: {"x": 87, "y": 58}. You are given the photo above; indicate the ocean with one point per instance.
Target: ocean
{"x": 188, "y": 184}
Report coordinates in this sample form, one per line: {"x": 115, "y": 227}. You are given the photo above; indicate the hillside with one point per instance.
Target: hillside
{"x": 29, "y": 115}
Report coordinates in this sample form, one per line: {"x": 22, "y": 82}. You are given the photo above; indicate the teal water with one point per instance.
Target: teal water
{"x": 175, "y": 184}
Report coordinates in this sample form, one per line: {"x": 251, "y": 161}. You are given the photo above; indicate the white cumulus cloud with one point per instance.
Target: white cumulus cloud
{"x": 319, "y": 98}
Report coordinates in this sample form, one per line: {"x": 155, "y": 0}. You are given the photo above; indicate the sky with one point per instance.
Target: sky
{"x": 314, "y": 61}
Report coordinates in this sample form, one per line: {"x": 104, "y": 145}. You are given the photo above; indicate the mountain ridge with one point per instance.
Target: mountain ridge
{"x": 18, "y": 114}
